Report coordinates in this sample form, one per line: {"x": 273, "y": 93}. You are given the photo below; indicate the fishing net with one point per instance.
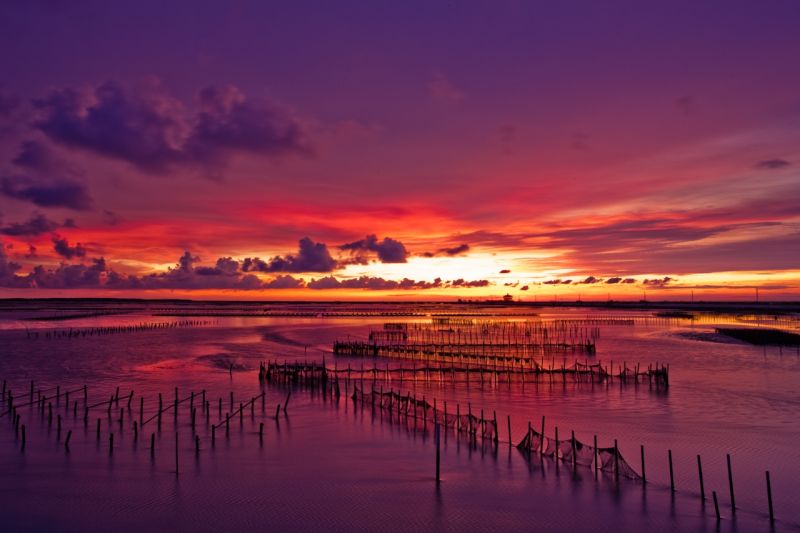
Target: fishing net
{"x": 573, "y": 450}
{"x": 612, "y": 461}
{"x": 412, "y": 407}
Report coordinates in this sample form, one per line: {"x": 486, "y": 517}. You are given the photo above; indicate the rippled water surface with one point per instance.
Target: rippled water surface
{"x": 331, "y": 464}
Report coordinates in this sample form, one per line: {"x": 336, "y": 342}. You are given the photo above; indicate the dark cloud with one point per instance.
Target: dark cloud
{"x": 67, "y": 276}
{"x": 378, "y": 283}
{"x": 8, "y": 271}
{"x": 524, "y": 288}
{"x": 474, "y": 283}
{"x": 35, "y": 156}
{"x": 254, "y": 264}
{"x": 558, "y": 282}
{"x": 225, "y": 266}
{"x": 629, "y": 280}
{"x": 614, "y": 280}
{"x": 184, "y": 275}
{"x": 228, "y": 121}
{"x": 139, "y": 129}
{"x": 590, "y": 280}
{"x": 328, "y": 282}
{"x": 453, "y": 251}
{"x": 311, "y": 257}
{"x": 48, "y": 192}
{"x": 62, "y": 248}
{"x": 772, "y": 164}
{"x": 657, "y": 283}
{"x": 284, "y": 282}
{"x": 505, "y": 271}
{"x": 389, "y": 250}
{"x": 35, "y": 225}
{"x": 64, "y": 276}
{"x": 153, "y": 132}
{"x": 187, "y": 274}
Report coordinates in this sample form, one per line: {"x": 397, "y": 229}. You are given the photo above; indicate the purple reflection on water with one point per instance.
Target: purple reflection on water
{"x": 337, "y": 465}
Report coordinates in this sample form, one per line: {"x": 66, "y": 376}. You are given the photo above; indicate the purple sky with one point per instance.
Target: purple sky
{"x": 557, "y": 140}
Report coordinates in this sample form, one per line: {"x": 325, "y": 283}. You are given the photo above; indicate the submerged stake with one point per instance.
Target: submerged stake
{"x": 700, "y": 475}
{"x": 769, "y": 486}
{"x": 730, "y": 484}
{"x": 671, "y": 475}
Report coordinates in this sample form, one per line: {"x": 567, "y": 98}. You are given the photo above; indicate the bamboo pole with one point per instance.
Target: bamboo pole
{"x": 700, "y": 475}
{"x": 671, "y": 473}
{"x": 769, "y": 492}
{"x": 730, "y": 484}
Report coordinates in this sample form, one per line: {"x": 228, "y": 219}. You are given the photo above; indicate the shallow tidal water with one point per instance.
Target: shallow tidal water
{"x": 337, "y": 465}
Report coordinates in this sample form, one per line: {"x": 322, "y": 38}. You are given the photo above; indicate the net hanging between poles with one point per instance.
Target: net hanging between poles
{"x": 572, "y": 450}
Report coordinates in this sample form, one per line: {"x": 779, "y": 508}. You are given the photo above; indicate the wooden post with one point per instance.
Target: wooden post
{"x": 213, "y": 435}
{"x": 277, "y": 411}
{"x": 261, "y": 430}
{"x": 286, "y": 403}
{"x": 98, "y": 430}
{"x": 716, "y": 504}
{"x": 574, "y": 450}
{"x": 197, "y": 444}
{"x": 509, "y": 431}
{"x": 555, "y": 457}
{"x": 438, "y": 453}
{"x": 66, "y": 442}
{"x": 616, "y": 459}
{"x": 769, "y": 485}
{"x": 176, "y": 453}
{"x": 152, "y": 445}
{"x": 141, "y": 410}
{"x": 730, "y": 484}
{"x": 23, "y": 448}
{"x": 596, "y": 465}
{"x": 111, "y": 443}
{"x": 541, "y": 438}
{"x": 135, "y": 431}
{"x": 700, "y": 475}
{"x": 671, "y": 474}
{"x": 644, "y": 476}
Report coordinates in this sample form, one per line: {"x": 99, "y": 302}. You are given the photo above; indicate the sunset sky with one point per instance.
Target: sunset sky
{"x": 414, "y": 150}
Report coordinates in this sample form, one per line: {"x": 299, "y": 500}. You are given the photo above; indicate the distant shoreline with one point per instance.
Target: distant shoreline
{"x": 769, "y": 308}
